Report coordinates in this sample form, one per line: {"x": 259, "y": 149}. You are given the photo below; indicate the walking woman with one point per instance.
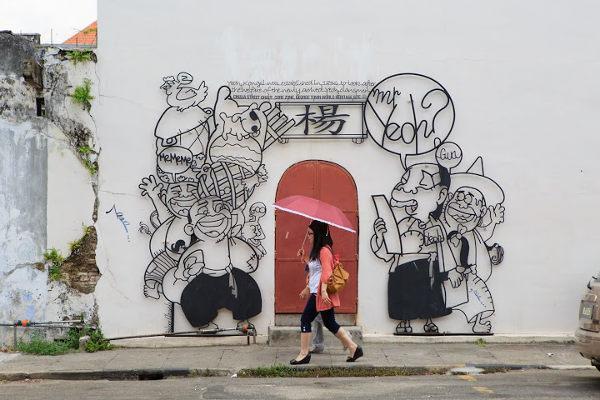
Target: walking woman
{"x": 320, "y": 265}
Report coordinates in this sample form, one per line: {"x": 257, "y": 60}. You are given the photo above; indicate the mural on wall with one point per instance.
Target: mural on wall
{"x": 435, "y": 230}
{"x": 205, "y": 233}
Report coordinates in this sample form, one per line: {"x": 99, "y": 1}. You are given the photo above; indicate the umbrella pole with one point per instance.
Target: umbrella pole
{"x": 303, "y": 242}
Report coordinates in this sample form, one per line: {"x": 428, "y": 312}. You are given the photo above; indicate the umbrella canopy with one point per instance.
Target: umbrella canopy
{"x": 315, "y": 209}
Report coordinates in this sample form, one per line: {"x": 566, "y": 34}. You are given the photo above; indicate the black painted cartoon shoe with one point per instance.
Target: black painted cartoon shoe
{"x": 403, "y": 328}
{"x": 430, "y": 328}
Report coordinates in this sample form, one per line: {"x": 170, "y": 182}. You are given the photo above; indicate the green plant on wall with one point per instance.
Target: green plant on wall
{"x": 55, "y": 260}
{"x": 75, "y": 245}
{"x": 97, "y": 340}
{"x": 82, "y": 95}
{"x": 80, "y": 56}
{"x": 85, "y": 153}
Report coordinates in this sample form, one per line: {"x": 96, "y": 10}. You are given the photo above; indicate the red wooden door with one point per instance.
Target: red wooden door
{"x": 330, "y": 183}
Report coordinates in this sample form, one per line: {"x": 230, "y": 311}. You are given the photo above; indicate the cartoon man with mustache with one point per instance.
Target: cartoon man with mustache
{"x": 213, "y": 273}
{"x": 415, "y": 278}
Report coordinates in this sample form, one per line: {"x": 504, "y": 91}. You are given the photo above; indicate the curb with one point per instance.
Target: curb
{"x": 158, "y": 374}
{"x": 495, "y": 368}
{"x": 363, "y": 370}
{"x": 453, "y": 339}
{"x": 117, "y": 375}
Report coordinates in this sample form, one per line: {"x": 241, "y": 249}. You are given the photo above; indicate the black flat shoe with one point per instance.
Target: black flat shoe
{"x": 305, "y": 360}
{"x": 358, "y": 353}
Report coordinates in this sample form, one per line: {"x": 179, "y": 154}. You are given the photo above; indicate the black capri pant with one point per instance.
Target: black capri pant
{"x": 310, "y": 313}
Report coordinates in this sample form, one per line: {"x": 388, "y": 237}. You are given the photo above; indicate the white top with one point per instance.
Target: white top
{"x": 314, "y": 275}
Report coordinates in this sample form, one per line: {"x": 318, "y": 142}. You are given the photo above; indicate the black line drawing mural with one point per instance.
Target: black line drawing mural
{"x": 409, "y": 114}
{"x": 435, "y": 230}
{"x": 205, "y": 240}
{"x": 324, "y": 120}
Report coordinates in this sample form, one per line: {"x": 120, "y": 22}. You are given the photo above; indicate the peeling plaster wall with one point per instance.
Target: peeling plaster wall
{"x": 23, "y": 190}
{"x": 23, "y": 161}
{"x": 71, "y": 196}
{"x": 46, "y": 194}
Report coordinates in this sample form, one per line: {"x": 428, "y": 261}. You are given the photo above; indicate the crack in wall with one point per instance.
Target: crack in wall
{"x": 117, "y": 193}
{"x": 34, "y": 265}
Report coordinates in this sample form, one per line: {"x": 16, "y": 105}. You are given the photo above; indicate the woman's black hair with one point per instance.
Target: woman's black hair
{"x": 321, "y": 238}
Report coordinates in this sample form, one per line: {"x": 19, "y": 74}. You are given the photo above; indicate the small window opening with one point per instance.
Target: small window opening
{"x": 40, "y": 106}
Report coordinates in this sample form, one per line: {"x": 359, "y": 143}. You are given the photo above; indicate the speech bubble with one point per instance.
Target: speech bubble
{"x": 408, "y": 114}
{"x": 175, "y": 159}
{"x": 448, "y": 155}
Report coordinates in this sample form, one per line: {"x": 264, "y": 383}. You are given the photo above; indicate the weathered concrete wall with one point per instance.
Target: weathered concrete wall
{"x": 23, "y": 188}
{"x": 46, "y": 193}
{"x": 23, "y": 165}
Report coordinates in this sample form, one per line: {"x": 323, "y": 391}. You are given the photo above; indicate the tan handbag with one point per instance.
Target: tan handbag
{"x": 338, "y": 278}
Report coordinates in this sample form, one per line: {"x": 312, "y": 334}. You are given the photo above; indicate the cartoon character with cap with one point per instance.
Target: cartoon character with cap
{"x": 471, "y": 213}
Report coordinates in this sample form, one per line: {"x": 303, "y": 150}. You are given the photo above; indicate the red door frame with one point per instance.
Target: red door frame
{"x": 329, "y": 182}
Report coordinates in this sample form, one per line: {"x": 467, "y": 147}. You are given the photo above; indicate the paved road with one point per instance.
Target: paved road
{"x": 529, "y": 385}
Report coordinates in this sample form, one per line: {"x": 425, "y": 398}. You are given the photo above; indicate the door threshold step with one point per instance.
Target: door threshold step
{"x": 282, "y": 336}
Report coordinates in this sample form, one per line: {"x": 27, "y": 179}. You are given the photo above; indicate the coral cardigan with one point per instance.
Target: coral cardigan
{"x": 326, "y": 260}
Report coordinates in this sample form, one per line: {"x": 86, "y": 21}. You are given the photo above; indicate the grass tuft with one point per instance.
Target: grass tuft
{"x": 284, "y": 371}
{"x": 55, "y": 259}
{"x": 85, "y": 153}
{"x": 97, "y": 341}
{"x": 82, "y": 95}
{"x": 40, "y": 346}
{"x": 43, "y": 347}
{"x": 80, "y": 56}
{"x": 75, "y": 245}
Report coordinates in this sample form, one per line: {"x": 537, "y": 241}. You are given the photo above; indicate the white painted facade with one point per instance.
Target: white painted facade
{"x": 523, "y": 78}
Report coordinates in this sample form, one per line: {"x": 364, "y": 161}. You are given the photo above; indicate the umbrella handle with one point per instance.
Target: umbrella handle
{"x": 303, "y": 242}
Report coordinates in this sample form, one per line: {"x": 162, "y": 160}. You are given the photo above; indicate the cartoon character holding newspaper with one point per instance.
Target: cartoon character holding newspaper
{"x": 437, "y": 244}
{"x": 409, "y": 237}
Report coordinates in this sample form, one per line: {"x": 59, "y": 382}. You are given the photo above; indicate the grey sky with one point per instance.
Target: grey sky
{"x": 64, "y": 17}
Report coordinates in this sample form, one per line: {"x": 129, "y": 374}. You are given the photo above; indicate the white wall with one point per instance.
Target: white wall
{"x": 523, "y": 79}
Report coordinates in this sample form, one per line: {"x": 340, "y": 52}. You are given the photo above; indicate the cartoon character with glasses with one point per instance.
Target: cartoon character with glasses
{"x": 473, "y": 210}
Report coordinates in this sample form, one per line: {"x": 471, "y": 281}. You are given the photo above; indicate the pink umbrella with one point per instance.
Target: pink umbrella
{"x": 315, "y": 209}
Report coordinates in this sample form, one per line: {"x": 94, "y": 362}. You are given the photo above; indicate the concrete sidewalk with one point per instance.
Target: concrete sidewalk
{"x": 228, "y": 360}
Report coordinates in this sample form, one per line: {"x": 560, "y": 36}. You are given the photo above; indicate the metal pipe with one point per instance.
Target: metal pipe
{"x": 191, "y": 333}
{"x": 30, "y": 323}
{"x": 149, "y": 335}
